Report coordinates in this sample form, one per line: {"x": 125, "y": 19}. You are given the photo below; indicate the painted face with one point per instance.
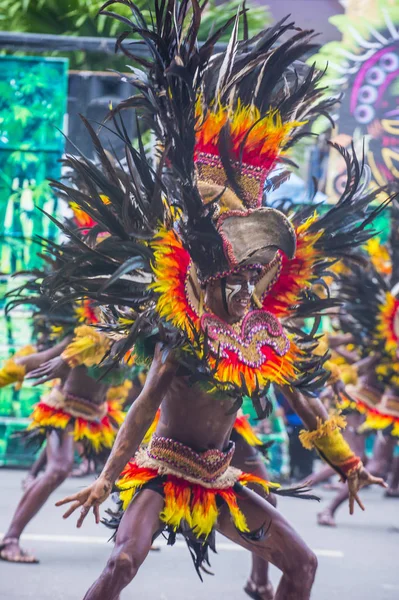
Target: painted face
{"x": 239, "y": 290}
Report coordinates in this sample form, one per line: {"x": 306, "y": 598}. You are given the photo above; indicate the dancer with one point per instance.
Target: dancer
{"x": 222, "y": 279}
{"x": 371, "y": 403}
{"x": 75, "y": 411}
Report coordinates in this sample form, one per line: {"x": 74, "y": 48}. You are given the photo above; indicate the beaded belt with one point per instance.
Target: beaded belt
{"x": 206, "y": 467}
{"x": 75, "y": 405}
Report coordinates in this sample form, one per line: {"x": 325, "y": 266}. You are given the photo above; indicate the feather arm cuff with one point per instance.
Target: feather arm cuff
{"x": 328, "y": 440}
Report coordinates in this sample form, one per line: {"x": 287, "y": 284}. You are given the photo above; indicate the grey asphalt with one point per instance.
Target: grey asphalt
{"x": 357, "y": 561}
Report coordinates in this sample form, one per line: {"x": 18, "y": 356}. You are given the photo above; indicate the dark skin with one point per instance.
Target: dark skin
{"x": 247, "y": 459}
{"x": 36, "y": 360}
{"x": 202, "y": 424}
{"x": 376, "y": 467}
{"x": 59, "y": 455}
{"x": 354, "y": 421}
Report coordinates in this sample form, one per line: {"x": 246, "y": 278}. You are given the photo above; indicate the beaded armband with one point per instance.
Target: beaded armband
{"x": 331, "y": 445}
{"x": 87, "y": 348}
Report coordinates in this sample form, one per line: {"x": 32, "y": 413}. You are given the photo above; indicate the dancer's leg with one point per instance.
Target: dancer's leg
{"x": 59, "y": 464}
{"x": 282, "y": 546}
{"x": 138, "y": 526}
{"x": 35, "y": 469}
{"x": 247, "y": 459}
{"x": 383, "y": 450}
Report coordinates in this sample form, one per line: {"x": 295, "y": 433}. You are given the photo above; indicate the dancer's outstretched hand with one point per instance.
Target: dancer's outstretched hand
{"x": 361, "y": 478}
{"x": 55, "y": 368}
{"x": 91, "y": 497}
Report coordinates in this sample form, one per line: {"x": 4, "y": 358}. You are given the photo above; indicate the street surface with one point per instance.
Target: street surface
{"x": 357, "y": 561}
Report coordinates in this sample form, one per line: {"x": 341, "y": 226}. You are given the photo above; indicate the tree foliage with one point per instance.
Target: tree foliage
{"x": 80, "y": 18}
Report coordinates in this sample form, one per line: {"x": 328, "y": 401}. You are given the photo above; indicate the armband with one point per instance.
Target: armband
{"x": 87, "y": 348}
{"x": 329, "y": 442}
{"x": 11, "y": 372}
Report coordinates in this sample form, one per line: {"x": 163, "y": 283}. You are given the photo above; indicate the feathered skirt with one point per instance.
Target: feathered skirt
{"x": 95, "y": 426}
{"x": 194, "y": 487}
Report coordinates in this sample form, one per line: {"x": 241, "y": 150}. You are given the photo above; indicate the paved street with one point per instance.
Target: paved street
{"x": 357, "y": 561}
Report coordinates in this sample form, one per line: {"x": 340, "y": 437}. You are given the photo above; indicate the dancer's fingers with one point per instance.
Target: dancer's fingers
{"x": 351, "y": 504}
{"x": 67, "y": 499}
{"x": 83, "y": 514}
{"x": 71, "y": 509}
{"x": 379, "y": 481}
{"x": 36, "y": 373}
{"x": 96, "y": 511}
{"x": 41, "y": 380}
{"x": 360, "y": 503}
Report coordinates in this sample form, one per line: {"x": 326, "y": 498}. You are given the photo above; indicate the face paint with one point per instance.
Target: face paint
{"x": 232, "y": 289}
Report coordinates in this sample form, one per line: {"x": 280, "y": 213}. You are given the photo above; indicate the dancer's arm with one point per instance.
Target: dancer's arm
{"x": 339, "y": 339}
{"x": 325, "y": 436}
{"x": 16, "y": 368}
{"x": 33, "y": 361}
{"x": 308, "y": 409}
{"x": 130, "y": 435}
{"x": 87, "y": 347}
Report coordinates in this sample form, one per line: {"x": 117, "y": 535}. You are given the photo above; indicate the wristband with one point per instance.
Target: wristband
{"x": 328, "y": 440}
{"x": 11, "y": 372}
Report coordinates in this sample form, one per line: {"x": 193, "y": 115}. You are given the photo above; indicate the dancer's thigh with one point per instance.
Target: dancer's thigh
{"x": 140, "y": 522}
{"x": 281, "y": 545}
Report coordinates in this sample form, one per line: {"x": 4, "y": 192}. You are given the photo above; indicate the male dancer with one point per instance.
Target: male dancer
{"x": 202, "y": 426}
{"x": 76, "y": 410}
{"x": 210, "y": 292}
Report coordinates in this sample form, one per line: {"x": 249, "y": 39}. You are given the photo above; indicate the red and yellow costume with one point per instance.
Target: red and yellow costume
{"x": 192, "y": 484}
{"x": 222, "y": 126}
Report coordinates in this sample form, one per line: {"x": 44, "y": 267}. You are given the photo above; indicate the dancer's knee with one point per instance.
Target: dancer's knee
{"x": 303, "y": 561}
{"x": 123, "y": 566}
{"x": 56, "y": 474}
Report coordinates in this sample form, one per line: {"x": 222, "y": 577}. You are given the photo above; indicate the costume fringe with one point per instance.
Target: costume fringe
{"x": 244, "y": 429}
{"x": 151, "y": 430}
{"x": 97, "y": 436}
{"x": 377, "y": 421}
{"x": 119, "y": 393}
{"x": 189, "y": 502}
{"x": 324, "y": 429}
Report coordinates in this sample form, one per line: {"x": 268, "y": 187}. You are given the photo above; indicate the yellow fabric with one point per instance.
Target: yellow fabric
{"x": 88, "y": 347}
{"x": 349, "y": 374}
{"x": 11, "y": 372}
{"x": 25, "y": 351}
{"x": 328, "y": 439}
{"x": 335, "y": 371}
